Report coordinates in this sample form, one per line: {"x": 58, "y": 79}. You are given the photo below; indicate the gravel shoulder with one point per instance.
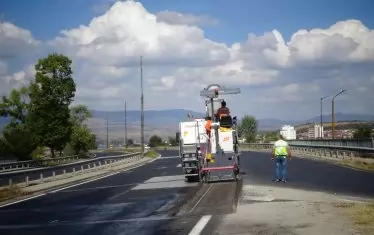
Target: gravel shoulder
{"x": 281, "y": 210}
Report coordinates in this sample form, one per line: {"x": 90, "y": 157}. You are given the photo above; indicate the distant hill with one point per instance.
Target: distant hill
{"x": 167, "y": 120}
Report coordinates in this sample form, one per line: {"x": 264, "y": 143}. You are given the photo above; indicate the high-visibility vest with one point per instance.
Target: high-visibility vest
{"x": 280, "y": 148}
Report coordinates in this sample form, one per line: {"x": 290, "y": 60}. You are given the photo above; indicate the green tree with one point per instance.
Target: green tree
{"x": 155, "y": 141}
{"x": 18, "y": 142}
{"x": 271, "y": 136}
{"x": 362, "y": 132}
{"x": 81, "y": 139}
{"x": 130, "y": 142}
{"x": 16, "y": 105}
{"x": 172, "y": 141}
{"x": 50, "y": 96}
{"x": 248, "y": 128}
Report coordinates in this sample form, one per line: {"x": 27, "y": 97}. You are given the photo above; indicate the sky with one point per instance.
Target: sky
{"x": 284, "y": 55}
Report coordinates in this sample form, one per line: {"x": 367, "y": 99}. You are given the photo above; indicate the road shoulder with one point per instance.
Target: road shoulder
{"x": 281, "y": 210}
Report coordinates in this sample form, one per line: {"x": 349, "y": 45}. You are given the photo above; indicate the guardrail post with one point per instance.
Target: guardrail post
{"x": 82, "y": 168}
{"x": 10, "y": 182}
{"x": 64, "y": 172}
{"x": 41, "y": 177}
{"x": 54, "y": 175}
{"x": 73, "y": 170}
{"x": 27, "y": 180}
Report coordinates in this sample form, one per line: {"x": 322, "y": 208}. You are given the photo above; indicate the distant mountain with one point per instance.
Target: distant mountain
{"x": 151, "y": 117}
{"x": 169, "y": 118}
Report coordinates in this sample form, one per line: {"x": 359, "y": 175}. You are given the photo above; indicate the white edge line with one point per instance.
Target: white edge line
{"x": 74, "y": 185}
{"x": 199, "y": 227}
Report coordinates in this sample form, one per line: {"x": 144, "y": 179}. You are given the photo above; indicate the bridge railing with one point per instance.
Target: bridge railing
{"x": 366, "y": 143}
{"x": 342, "y": 152}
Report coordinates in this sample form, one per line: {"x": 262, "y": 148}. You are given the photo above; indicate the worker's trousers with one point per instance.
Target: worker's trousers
{"x": 280, "y": 168}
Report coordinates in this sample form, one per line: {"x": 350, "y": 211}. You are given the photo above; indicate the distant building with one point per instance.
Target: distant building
{"x": 288, "y": 132}
{"x": 315, "y": 132}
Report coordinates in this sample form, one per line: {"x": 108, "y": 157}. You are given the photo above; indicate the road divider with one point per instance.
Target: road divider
{"x": 29, "y": 177}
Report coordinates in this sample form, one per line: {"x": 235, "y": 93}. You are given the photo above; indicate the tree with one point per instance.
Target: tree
{"x": 172, "y": 141}
{"x": 18, "y": 142}
{"x": 130, "y": 142}
{"x": 79, "y": 114}
{"x": 16, "y": 105}
{"x": 50, "y": 96}
{"x": 271, "y": 136}
{"x": 155, "y": 141}
{"x": 362, "y": 132}
{"x": 248, "y": 128}
{"x": 81, "y": 139}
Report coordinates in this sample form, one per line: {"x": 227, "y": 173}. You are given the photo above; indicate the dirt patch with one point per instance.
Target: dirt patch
{"x": 361, "y": 213}
{"x": 359, "y": 164}
{"x": 11, "y": 193}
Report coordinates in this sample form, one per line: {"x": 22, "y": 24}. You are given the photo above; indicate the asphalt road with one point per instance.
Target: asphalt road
{"x": 309, "y": 174}
{"x": 148, "y": 200}
{"x": 120, "y": 204}
{"x": 19, "y": 176}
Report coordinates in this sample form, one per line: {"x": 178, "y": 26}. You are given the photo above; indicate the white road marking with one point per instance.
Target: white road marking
{"x": 74, "y": 185}
{"x": 161, "y": 158}
{"x": 179, "y": 165}
{"x": 199, "y": 227}
{"x": 197, "y": 203}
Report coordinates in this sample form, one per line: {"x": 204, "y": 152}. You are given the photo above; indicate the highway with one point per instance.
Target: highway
{"x": 149, "y": 199}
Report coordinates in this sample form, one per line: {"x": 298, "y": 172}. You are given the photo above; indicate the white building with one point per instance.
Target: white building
{"x": 315, "y": 132}
{"x": 288, "y": 132}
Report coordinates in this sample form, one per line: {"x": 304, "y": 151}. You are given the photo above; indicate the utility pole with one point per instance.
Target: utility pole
{"x": 125, "y": 142}
{"x": 107, "y": 132}
{"x": 333, "y": 112}
{"x": 142, "y": 104}
{"x": 321, "y": 129}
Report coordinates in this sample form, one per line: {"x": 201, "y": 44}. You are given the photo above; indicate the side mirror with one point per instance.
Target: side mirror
{"x": 234, "y": 121}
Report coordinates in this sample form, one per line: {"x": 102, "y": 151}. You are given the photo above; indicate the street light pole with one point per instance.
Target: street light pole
{"x": 321, "y": 131}
{"x": 125, "y": 142}
{"x": 142, "y": 104}
{"x": 333, "y": 113}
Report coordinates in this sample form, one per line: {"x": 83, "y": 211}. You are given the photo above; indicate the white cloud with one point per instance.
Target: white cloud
{"x": 15, "y": 42}
{"x": 173, "y": 17}
{"x": 279, "y": 78}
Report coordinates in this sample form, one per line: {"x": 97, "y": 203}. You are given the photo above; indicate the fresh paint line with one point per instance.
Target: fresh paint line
{"x": 168, "y": 157}
{"x": 199, "y": 227}
{"x": 74, "y": 185}
{"x": 179, "y": 165}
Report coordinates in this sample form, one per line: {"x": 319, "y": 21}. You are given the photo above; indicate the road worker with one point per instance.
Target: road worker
{"x": 223, "y": 110}
{"x": 281, "y": 152}
{"x": 208, "y": 125}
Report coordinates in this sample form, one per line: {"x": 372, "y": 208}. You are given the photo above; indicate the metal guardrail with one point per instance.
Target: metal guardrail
{"x": 365, "y": 143}
{"x": 40, "y": 175}
{"x": 344, "y": 152}
{"x": 36, "y": 163}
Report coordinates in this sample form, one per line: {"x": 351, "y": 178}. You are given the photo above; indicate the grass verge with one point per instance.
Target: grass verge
{"x": 362, "y": 215}
{"x": 11, "y": 193}
{"x": 151, "y": 154}
{"x": 358, "y": 164}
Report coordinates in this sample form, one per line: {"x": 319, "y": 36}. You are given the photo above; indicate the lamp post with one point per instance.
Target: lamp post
{"x": 333, "y": 113}
{"x": 322, "y": 98}
{"x": 141, "y": 105}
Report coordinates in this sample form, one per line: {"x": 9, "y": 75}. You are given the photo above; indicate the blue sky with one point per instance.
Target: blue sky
{"x": 45, "y": 18}
{"x": 269, "y": 71}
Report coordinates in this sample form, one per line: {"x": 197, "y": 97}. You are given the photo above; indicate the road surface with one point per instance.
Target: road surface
{"x": 309, "y": 174}
{"x": 154, "y": 199}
